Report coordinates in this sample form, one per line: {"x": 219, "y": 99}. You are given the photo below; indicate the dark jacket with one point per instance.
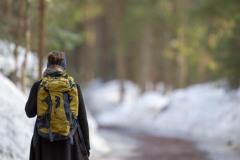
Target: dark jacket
{"x": 43, "y": 149}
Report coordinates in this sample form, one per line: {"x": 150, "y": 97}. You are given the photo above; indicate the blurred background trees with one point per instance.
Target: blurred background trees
{"x": 145, "y": 41}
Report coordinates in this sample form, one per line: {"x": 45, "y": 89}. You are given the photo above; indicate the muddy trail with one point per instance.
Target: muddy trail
{"x": 131, "y": 144}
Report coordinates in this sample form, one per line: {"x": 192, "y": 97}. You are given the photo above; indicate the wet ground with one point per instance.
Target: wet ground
{"x": 131, "y": 144}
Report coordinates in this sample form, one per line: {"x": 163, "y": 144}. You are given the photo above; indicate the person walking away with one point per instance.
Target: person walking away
{"x": 61, "y": 129}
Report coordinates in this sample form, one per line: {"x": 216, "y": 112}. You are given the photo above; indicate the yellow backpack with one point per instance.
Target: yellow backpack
{"x": 57, "y": 108}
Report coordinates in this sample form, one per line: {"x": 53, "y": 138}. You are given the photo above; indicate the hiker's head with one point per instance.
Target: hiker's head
{"x": 57, "y": 58}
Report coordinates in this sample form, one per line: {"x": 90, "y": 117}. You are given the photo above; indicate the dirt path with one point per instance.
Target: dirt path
{"x": 129, "y": 144}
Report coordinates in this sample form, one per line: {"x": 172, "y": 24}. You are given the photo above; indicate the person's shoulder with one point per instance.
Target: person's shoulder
{"x": 78, "y": 85}
{"x": 37, "y": 83}
{"x": 73, "y": 80}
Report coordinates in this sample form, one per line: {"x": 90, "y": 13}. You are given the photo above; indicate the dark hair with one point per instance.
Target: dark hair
{"x": 55, "y": 58}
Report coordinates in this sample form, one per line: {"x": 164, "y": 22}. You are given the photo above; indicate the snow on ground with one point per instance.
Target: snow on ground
{"x": 203, "y": 111}
{"x": 98, "y": 145}
{"x": 106, "y": 96}
{"x": 16, "y": 129}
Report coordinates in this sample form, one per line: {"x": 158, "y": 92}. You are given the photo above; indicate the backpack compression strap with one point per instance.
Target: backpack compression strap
{"x": 48, "y": 116}
{"x": 68, "y": 112}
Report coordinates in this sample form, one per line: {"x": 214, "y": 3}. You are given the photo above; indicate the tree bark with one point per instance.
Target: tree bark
{"x": 120, "y": 52}
{"x": 180, "y": 21}
{"x": 145, "y": 58}
{"x": 27, "y": 47}
{"x": 90, "y": 42}
{"x": 102, "y": 36}
{"x": 9, "y": 15}
{"x": 18, "y": 38}
{"x": 41, "y": 35}
{"x": 9, "y": 8}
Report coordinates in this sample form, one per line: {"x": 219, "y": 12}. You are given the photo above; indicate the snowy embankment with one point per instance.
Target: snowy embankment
{"x": 203, "y": 111}
{"x": 16, "y": 129}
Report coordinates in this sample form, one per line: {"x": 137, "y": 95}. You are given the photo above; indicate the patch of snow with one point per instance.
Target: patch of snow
{"x": 142, "y": 111}
{"x": 7, "y": 62}
{"x": 16, "y": 129}
{"x": 105, "y": 96}
{"x": 204, "y": 111}
{"x": 98, "y": 145}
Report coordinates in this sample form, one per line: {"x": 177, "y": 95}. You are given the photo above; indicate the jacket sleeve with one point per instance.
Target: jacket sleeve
{"x": 31, "y": 105}
{"x": 82, "y": 118}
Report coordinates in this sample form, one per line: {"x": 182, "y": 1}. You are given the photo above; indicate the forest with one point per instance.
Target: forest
{"x": 177, "y": 42}
{"x": 160, "y": 78}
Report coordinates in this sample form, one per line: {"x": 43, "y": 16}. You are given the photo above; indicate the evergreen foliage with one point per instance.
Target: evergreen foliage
{"x": 175, "y": 42}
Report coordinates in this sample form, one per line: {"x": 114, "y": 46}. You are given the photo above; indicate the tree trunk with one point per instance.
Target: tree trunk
{"x": 182, "y": 72}
{"x": 27, "y": 47}
{"x": 9, "y": 15}
{"x": 41, "y": 40}
{"x": 120, "y": 52}
{"x": 102, "y": 36}
{"x": 90, "y": 42}
{"x": 18, "y": 38}
{"x": 145, "y": 59}
{"x": 180, "y": 21}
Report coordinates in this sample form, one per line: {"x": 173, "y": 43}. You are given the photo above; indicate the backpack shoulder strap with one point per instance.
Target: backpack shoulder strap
{"x": 68, "y": 111}
{"x": 48, "y": 116}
